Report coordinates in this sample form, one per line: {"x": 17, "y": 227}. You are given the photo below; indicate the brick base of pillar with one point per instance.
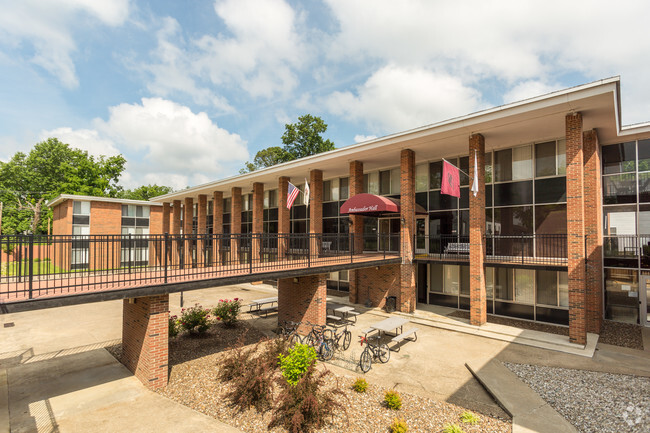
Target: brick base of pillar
{"x": 303, "y": 299}
{"x": 407, "y": 300}
{"x": 145, "y": 332}
{"x": 373, "y": 285}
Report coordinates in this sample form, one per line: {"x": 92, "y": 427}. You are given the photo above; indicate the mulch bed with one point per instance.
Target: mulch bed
{"x": 615, "y": 333}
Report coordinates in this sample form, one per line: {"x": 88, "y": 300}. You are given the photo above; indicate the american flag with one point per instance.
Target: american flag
{"x": 292, "y": 194}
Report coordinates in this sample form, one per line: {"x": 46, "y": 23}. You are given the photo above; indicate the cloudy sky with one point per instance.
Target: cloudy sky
{"x": 188, "y": 91}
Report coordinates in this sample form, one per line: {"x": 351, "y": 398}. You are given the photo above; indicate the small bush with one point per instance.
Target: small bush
{"x": 273, "y": 349}
{"x": 296, "y": 363}
{"x": 393, "y": 400}
{"x": 452, "y": 428}
{"x": 360, "y": 385}
{"x": 469, "y": 418}
{"x": 195, "y": 319}
{"x": 398, "y": 426}
{"x": 304, "y": 406}
{"x": 174, "y": 327}
{"x": 227, "y": 311}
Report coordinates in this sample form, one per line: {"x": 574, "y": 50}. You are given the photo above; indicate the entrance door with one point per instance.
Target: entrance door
{"x": 421, "y": 235}
{"x": 389, "y": 229}
{"x": 644, "y": 297}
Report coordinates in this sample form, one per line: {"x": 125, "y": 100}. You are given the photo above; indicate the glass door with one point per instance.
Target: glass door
{"x": 644, "y": 295}
{"x": 421, "y": 235}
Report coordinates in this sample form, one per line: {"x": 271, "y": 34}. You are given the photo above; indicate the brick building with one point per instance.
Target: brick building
{"x": 559, "y": 231}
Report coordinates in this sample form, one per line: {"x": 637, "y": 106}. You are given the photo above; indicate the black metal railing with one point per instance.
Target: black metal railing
{"x": 35, "y": 266}
{"x": 626, "y": 251}
{"x": 521, "y": 249}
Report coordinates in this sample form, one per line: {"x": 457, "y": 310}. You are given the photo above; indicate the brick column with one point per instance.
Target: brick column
{"x": 594, "y": 232}
{"x": 217, "y": 226}
{"x": 303, "y": 299}
{"x": 145, "y": 323}
{"x": 235, "y": 224}
{"x": 575, "y": 228}
{"x": 355, "y": 184}
{"x": 188, "y": 219}
{"x": 478, "y": 299}
{"x": 258, "y": 221}
{"x": 176, "y": 231}
{"x": 284, "y": 217}
{"x": 201, "y": 228}
{"x": 408, "y": 293}
{"x": 316, "y": 211}
{"x": 166, "y": 213}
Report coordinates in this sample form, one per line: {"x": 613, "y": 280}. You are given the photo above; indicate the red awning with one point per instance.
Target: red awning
{"x": 374, "y": 205}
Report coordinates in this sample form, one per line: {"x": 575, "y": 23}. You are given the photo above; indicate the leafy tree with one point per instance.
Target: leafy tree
{"x": 300, "y": 139}
{"x": 51, "y": 168}
{"x": 145, "y": 192}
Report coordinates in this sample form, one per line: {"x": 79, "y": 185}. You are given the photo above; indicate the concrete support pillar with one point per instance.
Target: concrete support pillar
{"x": 284, "y": 217}
{"x": 177, "y": 245}
{"x": 355, "y": 184}
{"x": 408, "y": 292}
{"x": 316, "y": 211}
{"x": 258, "y": 221}
{"x": 217, "y": 226}
{"x": 188, "y": 220}
{"x": 575, "y": 228}
{"x": 303, "y": 299}
{"x": 478, "y": 299}
{"x": 594, "y": 232}
{"x": 145, "y": 331}
{"x": 201, "y": 228}
{"x": 235, "y": 224}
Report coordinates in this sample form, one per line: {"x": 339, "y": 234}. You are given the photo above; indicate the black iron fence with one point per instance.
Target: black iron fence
{"x": 627, "y": 251}
{"x": 33, "y": 266}
{"x": 522, "y": 249}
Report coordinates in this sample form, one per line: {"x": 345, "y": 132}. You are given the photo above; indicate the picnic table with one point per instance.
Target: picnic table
{"x": 263, "y": 306}
{"x": 341, "y": 312}
{"x": 393, "y": 326}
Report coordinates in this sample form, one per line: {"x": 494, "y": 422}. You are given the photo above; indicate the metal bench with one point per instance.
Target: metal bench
{"x": 457, "y": 248}
{"x": 334, "y": 318}
{"x": 405, "y": 336}
{"x": 268, "y": 309}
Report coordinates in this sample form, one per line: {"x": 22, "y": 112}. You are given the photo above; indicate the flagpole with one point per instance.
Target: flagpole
{"x": 456, "y": 167}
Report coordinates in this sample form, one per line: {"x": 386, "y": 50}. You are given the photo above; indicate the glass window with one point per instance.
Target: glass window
{"x": 443, "y": 223}
{"x": 384, "y": 182}
{"x": 439, "y": 201}
{"x": 644, "y": 187}
{"x": 547, "y": 282}
{"x": 503, "y": 284}
{"x": 421, "y": 177}
{"x": 435, "y": 174}
{"x": 563, "y": 288}
{"x": 620, "y": 188}
{"x": 464, "y": 167}
{"x": 395, "y": 177}
{"x": 327, "y": 190}
{"x": 464, "y": 280}
{"x": 226, "y": 205}
{"x": 619, "y": 220}
{"x": 266, "y": 200}
{"x": 371, "y": 182}
{"x": 503, "y": 165}
{"x": 488, "y": 167}
{"x": 436, "y": 278}
{"x": 451, "y": 275}
{"x": 622, "y": 295}
{"x": 513, "y": 193}
{"x": 545, "y": 159}
{"x": 525, "y": 286}
{"x": 489, "y": 282}
{"x": 344, "y": 189}
{"x": 81, "y": 207}
{"x": 644, "y": 220}
{"x": 551, "y": 190}
{"x": 513, "y": 220}
{"x": 644, "y": 155}
{"x": 550, "y": 219}
{"x": 561, "y": 157}
{"x": 619, "y": 158}
{"x": 522, "y": 163}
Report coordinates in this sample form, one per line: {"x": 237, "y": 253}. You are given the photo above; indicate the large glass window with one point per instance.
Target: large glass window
{"x": 622, "y": 295}
{"x": 514, "y": 220}
{"x": 451, "y": 283}
{"x": 344, "y": 189}
{"x": 371, "y": 182}
{"x": 503, "y": 165}
{"x": 421, "y": 177}
{"x": 525, "y": 286}
{"x": 545, "y": 161}
{"x": 550, "y": 219}
{"x": 522, "y": 163}
{"x": 619, "y": 158}
{"x": 619, "y": 220}
{"x": 620, "y": 188}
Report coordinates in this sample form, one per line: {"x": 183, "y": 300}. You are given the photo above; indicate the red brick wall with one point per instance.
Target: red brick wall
{"x": 156, "y": 228}
{"x": 145, "y": 330}
{"x": 105, "y": 219}
{"x": 303, "y": 300}
{"x": 316, "y": 208}
{"x": 235, "y": 225}
{"x": 478, "y": 312}
{"x": 376, "y": 284}
{"x": 217, "y": 224}
{"x": 355, "y": 184}
{"x": 176, "y": 230}
{"x": 575, "y": 228}
{"x": 62, "y": 225}
{"x": 258, "y": 218}
{"x": 166, "y": 215}
{"x": 284, "y": 222}
{"x": 407, "y": 299}
{"x": 594, "y": 232}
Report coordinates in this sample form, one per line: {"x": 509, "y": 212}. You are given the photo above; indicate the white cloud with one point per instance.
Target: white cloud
{"x": 84, "y": 139}
{"x": 361, "y": 138}
{"x": 394, "y": 99}
{"x": 48, "y": 26}
{"x": 173, "y": 137}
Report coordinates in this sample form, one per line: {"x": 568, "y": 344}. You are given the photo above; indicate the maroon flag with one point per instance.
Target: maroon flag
{"x": 450, "y": 179}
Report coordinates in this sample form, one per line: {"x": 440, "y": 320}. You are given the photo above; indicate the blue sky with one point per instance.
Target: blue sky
{"x": 188, "y": 91}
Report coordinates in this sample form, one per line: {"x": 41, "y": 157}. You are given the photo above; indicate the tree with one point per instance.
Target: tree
{"x": 145, "y": 192}
{"x": 300, "y": 139}
{"x": 52, "y": 168}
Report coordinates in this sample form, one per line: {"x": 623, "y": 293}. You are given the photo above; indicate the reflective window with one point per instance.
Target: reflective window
{"x": 464, "y": 167}
{"x": 384, "y": 182}
{"x": 503, "y": 284}
{"x": 550, "y": 219}
{"x": 525, "y": 286}
{"x": 451, "y": 283}
{"x": 620, "y": 188}
{"x": 421, "y": 178}
{"x": 622, "y": 295}
{"x": 619, "y": 220}
{"x": 503, "y": 165}
{"x": 545, "y": 161}
{"x": 395, "y": 184}
{"x": 435, "y": 174}
{"x": 488, "y": 167}
{"x": 371, "y": 183}
{"x": 547, "y": 287}
{"x": 522, "y": 163}
{"x": 81, "y": 208}
{"x": 344, "y": 189}
{"x": 513, "y": 193}
{"x": 619, "y": 158}
{"x": 514, "y": 220}
{"x": 551, "y": 190}
{"x": 561, "y": 157}
{"x": 644, "y": 187}
{"x": 644, "y": 155}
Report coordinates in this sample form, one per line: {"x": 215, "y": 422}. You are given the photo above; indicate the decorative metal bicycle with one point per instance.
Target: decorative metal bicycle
{"x": 377, "y": 350}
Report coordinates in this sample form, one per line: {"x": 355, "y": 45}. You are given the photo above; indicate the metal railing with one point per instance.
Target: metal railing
{"x": 537, "y": 249}
{"x": 35, "y": 266}
{"x": 627, "y": 250}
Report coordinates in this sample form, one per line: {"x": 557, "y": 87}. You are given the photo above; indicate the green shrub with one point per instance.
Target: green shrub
{"x": 304, "y": 406}
{"x": 393, "y": 400}
{"x": 174, "y": 327}
{"x": 469, "y": 418}
{"x": 195, "y": 319}
{"x": 452, "y": 428}
{"x": 296, "y": 363}
{"x": 360, "y": 385}
{"x": 227, "y": 311}
{"x": 398, "y": 426}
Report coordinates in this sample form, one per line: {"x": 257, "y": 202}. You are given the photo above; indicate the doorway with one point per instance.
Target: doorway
{"x": 421, "y": 235}
{"x": 389, "y": 232}
{"x": 644, "y": 295}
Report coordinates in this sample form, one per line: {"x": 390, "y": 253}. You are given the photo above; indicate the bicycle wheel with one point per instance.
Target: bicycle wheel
{"x": 326, "y": 350}
{"x": 383, "y": 353}
{"x": 365, "y": 361}
{"x": 347, "y": 338}
{"x": 295, "y": 338}
{"x": 311, "y": 339}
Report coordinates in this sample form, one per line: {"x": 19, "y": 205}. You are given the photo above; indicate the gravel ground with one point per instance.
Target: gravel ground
{"x": 194, "y": 363}
{"x": 592, "y": 401}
